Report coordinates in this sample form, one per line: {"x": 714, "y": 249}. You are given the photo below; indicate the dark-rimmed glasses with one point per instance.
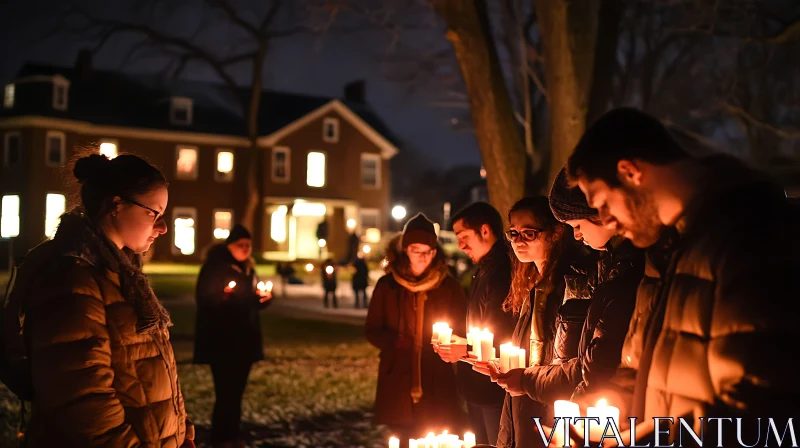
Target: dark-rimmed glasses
{"x": 526, "y": 235}
{"x": 156, "y": 214}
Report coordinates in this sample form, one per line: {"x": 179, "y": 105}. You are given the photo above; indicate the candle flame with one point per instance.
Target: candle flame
{"x": 601, "y": 403}
{"x": 231, "y": 285}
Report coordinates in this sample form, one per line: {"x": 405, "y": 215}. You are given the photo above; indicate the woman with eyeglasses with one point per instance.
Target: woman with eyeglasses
{"x": 544, "y": 253}
{"x": 417, "y": 391}
{"x": 102, "y": 366}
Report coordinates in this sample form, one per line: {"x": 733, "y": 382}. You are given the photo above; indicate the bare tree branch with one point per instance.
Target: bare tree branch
{"x": 740, "y": 112}
{"x": 234, "y": 17}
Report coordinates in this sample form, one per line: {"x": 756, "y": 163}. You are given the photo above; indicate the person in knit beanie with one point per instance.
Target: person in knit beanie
{"x": 569, "y": 206}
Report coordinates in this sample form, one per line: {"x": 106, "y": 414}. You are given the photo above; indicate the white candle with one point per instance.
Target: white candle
{"x": 604, "y": 413}
{"x": 522, "y": 361}
{"x": 394, "y": 442}
{"x": 430, "y": 441}
{"x": 487, "y": 345}
{"x": 505, "y": 352}
{"x": 476, "y": 343}
{"x": 412, "y": 443}
{"x": 564, "y": 409}
{"x": 231, "y": 285}
{"x": 469, "y": 440}
{"x": 435, "y": 336}
{"x": 513, "y": 357}
{"x": 445, "y": 333}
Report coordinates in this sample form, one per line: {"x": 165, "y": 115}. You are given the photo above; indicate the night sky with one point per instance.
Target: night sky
{"x": 316, "y": 65}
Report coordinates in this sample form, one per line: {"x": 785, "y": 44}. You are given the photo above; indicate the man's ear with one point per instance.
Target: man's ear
{"x": 116, "y": 203}
{"x": 629, "y": 172}
{"x": 485, "y": 231}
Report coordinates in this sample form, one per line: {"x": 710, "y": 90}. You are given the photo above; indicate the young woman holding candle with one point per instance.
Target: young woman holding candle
{"x": 545, "y": 253}
{"x": 102, "y": 366}
{"x": 228, "y": 332}
{"x": 417, "y": 391}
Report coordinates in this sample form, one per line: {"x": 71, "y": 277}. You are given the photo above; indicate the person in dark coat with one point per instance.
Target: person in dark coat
{"x": 479, "y": 229}
{"x": 720, "y": 319}
{"x": 228, "y": 332}
{"x": 544, "y": 254}
{"x": 360, "y": 280}
{"x": 329, "y": 282}
{"x": 417, "y": 391}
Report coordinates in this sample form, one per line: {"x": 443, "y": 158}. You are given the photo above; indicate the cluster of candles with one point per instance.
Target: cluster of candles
{"x": 568, "y": 409}
{"x": 442, "y": 333}
{"x": 482, "y": 342}
{"x": 511, "y": 357}
{"x": 262, "y": 286}
{"x": 443, "y": 440}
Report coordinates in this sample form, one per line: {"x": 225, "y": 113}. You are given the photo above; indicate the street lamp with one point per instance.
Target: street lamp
{"x": 398, "y": 212}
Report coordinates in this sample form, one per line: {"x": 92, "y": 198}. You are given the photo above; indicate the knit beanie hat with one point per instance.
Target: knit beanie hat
{"x": 419, "y": 229}
{"x": 568, "y": 202}
{"x": 238, "y": 233}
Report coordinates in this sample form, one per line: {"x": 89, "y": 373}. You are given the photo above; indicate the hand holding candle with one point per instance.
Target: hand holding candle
{"x": 230, "y": 287}
{"x": 264, "y": 290}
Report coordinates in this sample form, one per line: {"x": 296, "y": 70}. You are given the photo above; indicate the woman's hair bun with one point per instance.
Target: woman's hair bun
{"x": 93, "y": 167}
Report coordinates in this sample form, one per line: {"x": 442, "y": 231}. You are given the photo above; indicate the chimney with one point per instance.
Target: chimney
{"x": 83, "y": 64}
{"x": 355, "y": 92}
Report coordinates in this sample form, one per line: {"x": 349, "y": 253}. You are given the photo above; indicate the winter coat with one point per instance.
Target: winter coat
{"x": 719, "y": 331}
{"x": 360, "y": 276}
{"x": 390, "y": 326}
{"x": 102, "y": 365}
{"x": 228, "y": 327}
{"x": 489, "y": 288}
{"x": 329, "y": 281}
{"x": 619, "y": 272}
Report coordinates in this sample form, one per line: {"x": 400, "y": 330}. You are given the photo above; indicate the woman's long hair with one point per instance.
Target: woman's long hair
{"x": 526, "y": 275}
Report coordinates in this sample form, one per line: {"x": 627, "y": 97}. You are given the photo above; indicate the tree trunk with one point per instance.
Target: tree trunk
{"x": 492, "y": 114}
{"x": 605, "y": 62}
{"x": 568, "y": 38}
{"x": 254, "y": 159}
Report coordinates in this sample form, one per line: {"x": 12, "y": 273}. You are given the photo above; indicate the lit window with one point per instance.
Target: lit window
{"x": 109, "y": 149}
{"x": 315, "y": 174}
{"x": 8, "y": 97}
{"x": 9, "y": 217}
{"x": 186, "y": 166}
{"x": 302, "y": 208}
{"x": 55, "y": 206}
{"x": 281, "y": 164}
{"x": 56, "y": 149}
{"x": 60, "y": 93}
{"x": 330, "y": 130}
{"x": 181, "y": 110}
{"x": 184, "y": 234}
{"x": 370, "y": 170}
{"x": 277, "y": 224}
{"x": 223, "y": 223}
{"x": 369, "y": 218}
{"x": 12, "y": 149}
{"x": 224, "y": 166}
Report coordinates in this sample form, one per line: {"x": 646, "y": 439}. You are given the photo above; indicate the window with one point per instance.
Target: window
{"x": 180, "y": 110}
{"x": 370, "y": 170}
{"x": 277, "y": 224}
{"x": 186, "y": 162}
{"x": 184, "y": 219}
{"x": 8, "y": 96}
{"x": 370, "y": 218}
{"x": 9, "y": 216}
{"x": 224, "y": 171}
{"x": 108, "y": 148}
{"x": 315, "y": 173}
{"x": 223, "y": 223}
{"x": 281, "y": 164}
{"x": 55, "y": 206}
{"x": 330, "y": 130}
{"x": 60, "y": 93}
{"x": 55, "y": 150}
{"x": 12, "y": 149}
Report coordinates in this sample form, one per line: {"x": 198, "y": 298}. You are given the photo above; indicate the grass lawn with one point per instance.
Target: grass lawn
{"x": 315, "y": 389}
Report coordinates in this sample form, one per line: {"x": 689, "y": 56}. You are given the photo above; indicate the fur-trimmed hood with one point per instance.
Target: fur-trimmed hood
{"x": 76, "y": 237}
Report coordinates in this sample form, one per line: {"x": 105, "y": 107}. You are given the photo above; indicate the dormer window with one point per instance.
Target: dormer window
{"x": 8, "y": 96}
{"x": 60, "y": 93}
{"x": 330, "y": 130}
{"x": 181, "y": 110}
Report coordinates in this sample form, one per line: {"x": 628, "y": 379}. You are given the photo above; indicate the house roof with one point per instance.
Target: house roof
{"x": 143, "y": 101}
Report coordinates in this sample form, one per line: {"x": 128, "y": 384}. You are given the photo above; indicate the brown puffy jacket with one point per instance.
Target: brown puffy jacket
{"x": 103, "y": 369}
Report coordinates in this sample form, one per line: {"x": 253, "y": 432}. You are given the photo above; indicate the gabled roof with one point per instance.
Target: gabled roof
{"x": 143, "y": 101}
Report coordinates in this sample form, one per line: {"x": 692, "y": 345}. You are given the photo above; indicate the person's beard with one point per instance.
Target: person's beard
{"x": 644, "y": 227}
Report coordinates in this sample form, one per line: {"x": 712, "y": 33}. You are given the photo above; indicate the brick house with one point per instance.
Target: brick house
{"x": 323, "y": 159}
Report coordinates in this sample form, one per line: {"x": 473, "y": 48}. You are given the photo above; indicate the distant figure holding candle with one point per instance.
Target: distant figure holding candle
{"x": 228, "y": 332}
{"x": 360, "y": 280}
{"x": 417, "y": 391}
{"x": 479, "y": 229}
{"x": 329, "y": 282}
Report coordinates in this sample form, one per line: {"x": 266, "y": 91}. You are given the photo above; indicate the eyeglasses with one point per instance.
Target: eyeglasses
{"x": 156, "y": 214}
{"x": 526, "y": 235}
{"x": 425, "y": 254}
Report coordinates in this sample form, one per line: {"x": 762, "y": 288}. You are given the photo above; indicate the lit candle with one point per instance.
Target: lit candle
{"x": 563, "y": 409}
{"x": 394, "y": 442}
{"x": 521, "y": 358}
{"x": 487, "y": 345}
{"x": 264, "y": 287}
{"x": 445, "y": 334}
{"x": 430, "y": 441}
{"x": 437, "y": 327}
{"x": 329, "y": 270}
{"x": 604, "y": 413}
{"x": 472, "y": 331}
{"x": 412, "y": 443}
{"x": 469, "y": 440}
{"x": 231, "y": 285}
{"x": 505, "y": 352}
{"x": 476, "y": 343}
